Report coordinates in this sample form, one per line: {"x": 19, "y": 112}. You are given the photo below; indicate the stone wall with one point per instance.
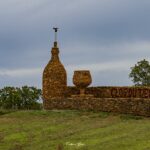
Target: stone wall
{"x": 129, "y": 100}
{"x": 136, "y": 106}
{"x": 113, "y": 92}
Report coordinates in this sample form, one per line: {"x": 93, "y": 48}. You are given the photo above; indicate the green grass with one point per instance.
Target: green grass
{"x": 75, "y": 130}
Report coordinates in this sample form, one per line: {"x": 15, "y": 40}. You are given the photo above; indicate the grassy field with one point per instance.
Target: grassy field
{"x": 75, "y": 130}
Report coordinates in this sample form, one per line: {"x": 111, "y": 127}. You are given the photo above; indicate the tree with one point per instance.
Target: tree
{"x": 29, "y": 96}
{"x": 7, "y": 97}
{"x": 140, "y": 73}
{"x": 20, "y": 98}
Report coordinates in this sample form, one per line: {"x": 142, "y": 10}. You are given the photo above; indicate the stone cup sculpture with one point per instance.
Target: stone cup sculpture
{"x": 82, "y": 79}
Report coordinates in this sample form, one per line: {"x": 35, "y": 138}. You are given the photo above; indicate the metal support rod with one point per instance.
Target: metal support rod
{"x": 55, "y": 29}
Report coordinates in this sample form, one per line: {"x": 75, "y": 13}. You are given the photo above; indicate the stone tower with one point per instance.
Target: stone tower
{"x": 54, "y": 76}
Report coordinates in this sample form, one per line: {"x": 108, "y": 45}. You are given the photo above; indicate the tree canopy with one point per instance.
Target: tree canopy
{"x": 20, "y": 98}
{"x": 140, "y": 73}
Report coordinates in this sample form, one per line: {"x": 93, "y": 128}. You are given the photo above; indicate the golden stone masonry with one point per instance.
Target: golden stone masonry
{"x": 57, "y": 95}
{"x": 54, "y": 77}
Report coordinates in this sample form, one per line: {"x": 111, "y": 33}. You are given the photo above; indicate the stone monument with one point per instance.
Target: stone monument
{"x": 82, "y": 79}
{"x": 56, "y": 94}
{"x": 54, "y": 76}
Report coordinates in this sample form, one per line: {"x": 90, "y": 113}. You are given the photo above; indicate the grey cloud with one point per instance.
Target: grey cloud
{"x": 91, "y": 31}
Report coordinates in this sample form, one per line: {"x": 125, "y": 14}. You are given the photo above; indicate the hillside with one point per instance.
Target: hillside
{"x": 75, "y": 130}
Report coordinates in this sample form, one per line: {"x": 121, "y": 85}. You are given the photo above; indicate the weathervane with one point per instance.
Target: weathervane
{"x": 55, "y": 29}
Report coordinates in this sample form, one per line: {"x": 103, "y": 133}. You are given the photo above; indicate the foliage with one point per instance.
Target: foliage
{"x": 140, "y": 73}
{"x": 20, "y": 98}
{"x": 130, "y": 117}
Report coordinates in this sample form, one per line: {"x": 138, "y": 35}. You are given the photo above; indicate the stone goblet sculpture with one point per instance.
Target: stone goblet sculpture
{"x": 82, "y": 79}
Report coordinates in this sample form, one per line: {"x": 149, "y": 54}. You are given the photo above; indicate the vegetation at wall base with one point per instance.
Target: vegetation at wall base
{"x": 72, "y": 130}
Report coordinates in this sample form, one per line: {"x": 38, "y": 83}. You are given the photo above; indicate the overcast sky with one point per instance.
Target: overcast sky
{"x": 105, "y": 36}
